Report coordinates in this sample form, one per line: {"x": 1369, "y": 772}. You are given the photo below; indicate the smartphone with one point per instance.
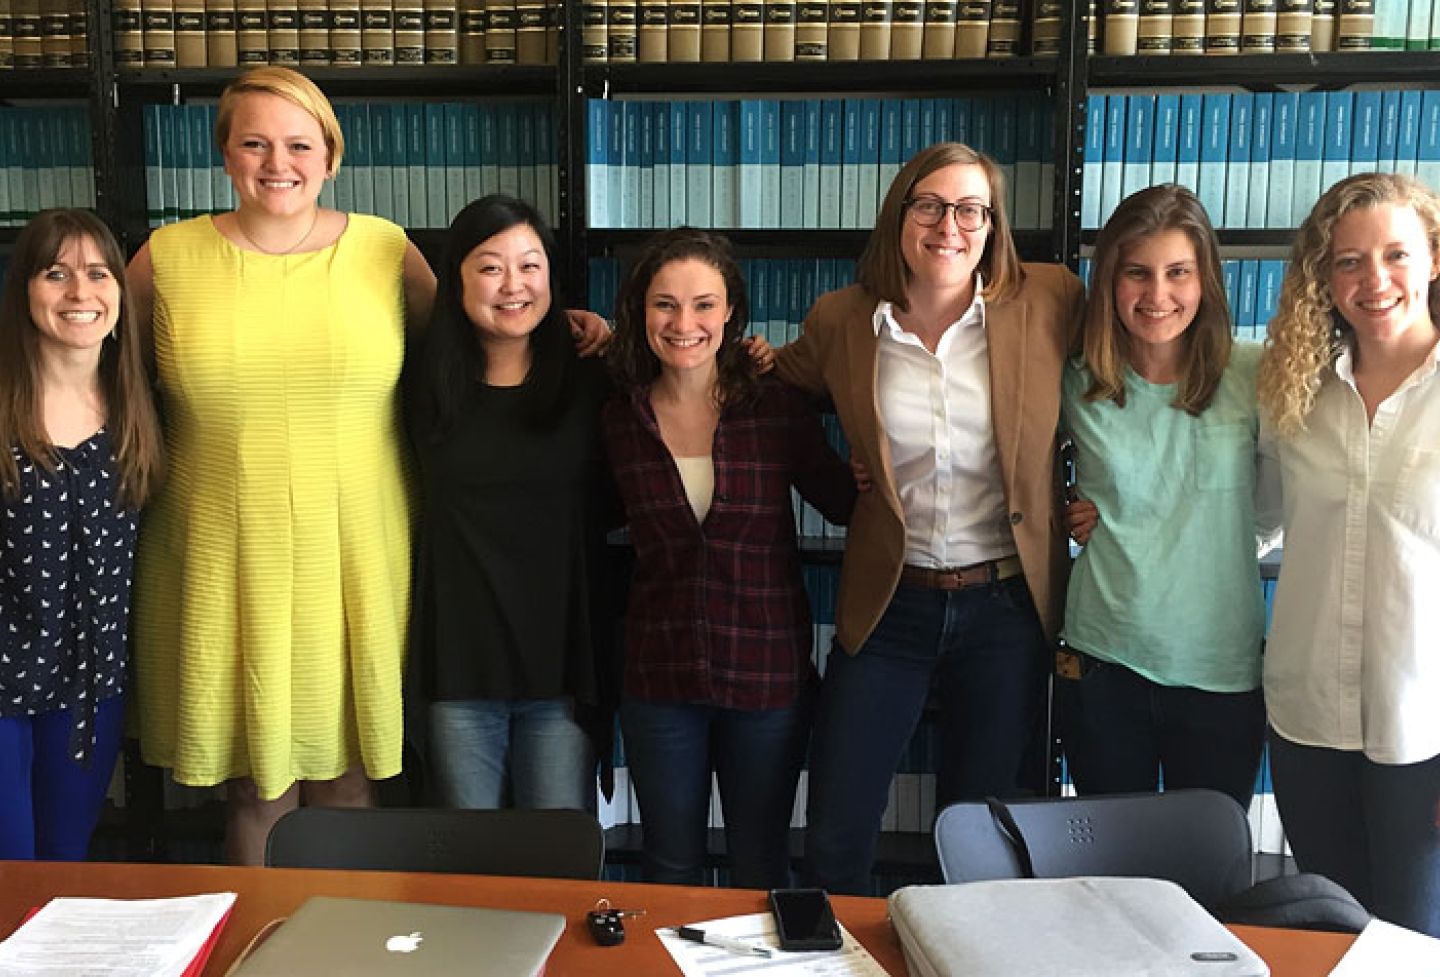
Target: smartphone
{"x": 804, "y": 919}
{"x": 1068, "y": 473}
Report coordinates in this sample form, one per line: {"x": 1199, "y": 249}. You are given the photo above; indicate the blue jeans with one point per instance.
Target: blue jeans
{"x": 1122, "y": 731}
{"x": 49, "y": 803}
{"x": 986, "y": 650}
{"x": 1369, "y": 826}
{"x": 671, "y": 749}
{"x": 534, "y": 744}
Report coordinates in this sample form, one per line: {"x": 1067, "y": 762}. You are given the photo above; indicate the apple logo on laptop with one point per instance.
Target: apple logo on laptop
{"x": 404, "y": 944}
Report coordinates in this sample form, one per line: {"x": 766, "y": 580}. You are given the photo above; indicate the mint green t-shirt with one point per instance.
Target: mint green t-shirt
{"x": 1168, "y": 584}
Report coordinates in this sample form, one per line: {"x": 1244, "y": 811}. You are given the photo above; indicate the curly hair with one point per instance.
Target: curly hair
{"x": 1103, "y": 341}
{"x": 631, "y": 360}
{"x": 1307, "y": 333}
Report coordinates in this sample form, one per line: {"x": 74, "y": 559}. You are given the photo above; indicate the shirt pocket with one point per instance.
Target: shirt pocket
{"x": 1417, "y": 489}
{"x": 1224, "y": 457}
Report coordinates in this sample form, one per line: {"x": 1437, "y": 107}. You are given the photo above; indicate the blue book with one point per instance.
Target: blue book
{"x": 811, "y": 209}
{"x": 400, "y": 161}
{"x": 725, "y": 174}
{"x": 1237, "y": 164}
{"x": 943, "y": 122}
{"x": 525, "y": 149}
{"x": 415, "y": 166}
{"x": 1309, "y": 147}
{"x": 891, "y": 118}
{"x": 1427, "y": 154}
{"x": 832, "y": 138}
{"x": 174, "y": 152}
{"x": 769, "y": 163}
{"x": 358, "y": 158}
{"x": 1283, "y": 109}
{"x": 1230, "y": 272}
{"x": 869, "y": 163}
{"x": 629, "y": 171}
{"x": 850, "y": 162}
{"x": 1267, "y": 294}
{"x": 982, "y": 125}
{"x": 1365, "y": 140}
{"x": 598, "y": 163}
{"x": 928, "y": 135}
{"x": 1006, "y": 121}
{"x": 1029, "y": 143}
{"x": 1262, "y": 126}
{"x": 222, "y": 191}
{"x": 547, "y": 190}
{"x": 507, "y": 149}
{"x": 490, "y": 150}
{"x": 1167, "y": 139}
{"x": 699, "y": 160}
{"x": 1112, "y": 175}
{"x": 1407, "y": 147}
{"x": 455, "y": 196}
{"x": 751, "y": 199}
{"x": 909, "y": 129}
{"x": 1245, "y": 314}
{"x": 1214, "y": 152}
{"x": 792, "y": 163}
{"x": 1139, "y": 143}
{"x": 620, "y": 213}
{"x": 1339, "y": 133}
{"x": 660, "y": 124}
{"x": 645, "y": 165}
{"x": 1187, "y": 153}
{"x": 780, "y": 277}
{"x": 758, "y": 284}
{"x": 470, "y": 124}
{"x": 380, "y": 165}
{"x": 960, "y": 116}
{"x": 678, "y": 195}
{"x": 1389, "y": 129}
{"x": 1091, "y": 173}
{"x": 154, "y": 185}
{"x": 9, "y": 215}
{"x": 184, "y": 169}
{"x": 437, "y": 205}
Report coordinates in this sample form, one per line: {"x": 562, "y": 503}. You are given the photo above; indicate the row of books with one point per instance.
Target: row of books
{"x": 1252, "y": 288}
{"x": 1267, "y": 27}
{"x": 415, "y": 164}
{"x": 798, "y": 163}
{"x": 1256, "y": 160}
{"x": 320, "y": 33}
{"x": 43, "y": 34}
{"x": 816, "y": 30}
{"x": 45, "y": 161}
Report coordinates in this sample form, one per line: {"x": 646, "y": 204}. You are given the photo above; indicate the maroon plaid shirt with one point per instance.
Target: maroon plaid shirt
{"x": 718, "y": 613}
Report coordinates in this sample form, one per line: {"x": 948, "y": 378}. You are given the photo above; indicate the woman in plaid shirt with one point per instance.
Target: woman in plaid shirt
{"x": 717, "y": 672}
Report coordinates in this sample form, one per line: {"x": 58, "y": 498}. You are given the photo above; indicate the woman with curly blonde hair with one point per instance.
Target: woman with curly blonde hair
{"x": 1349, "y": 382}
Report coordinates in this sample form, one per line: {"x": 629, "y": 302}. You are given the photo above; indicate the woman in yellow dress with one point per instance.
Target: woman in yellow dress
{"x": 273, "y": 575}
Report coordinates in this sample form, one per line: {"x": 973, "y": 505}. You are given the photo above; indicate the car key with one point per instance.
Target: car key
{"x": 607, "y": 925}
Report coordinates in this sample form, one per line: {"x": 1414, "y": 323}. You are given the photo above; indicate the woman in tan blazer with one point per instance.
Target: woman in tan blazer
{"x": 943, "y": 364}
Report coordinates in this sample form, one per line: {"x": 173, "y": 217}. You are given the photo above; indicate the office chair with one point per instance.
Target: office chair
{"x": 551, "y": 844}
{"x": 1199, "y": 839}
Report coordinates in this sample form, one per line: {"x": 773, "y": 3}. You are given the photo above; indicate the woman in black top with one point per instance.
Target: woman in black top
{"x": 81, "y": 451}
{"x": 504, "y": 417}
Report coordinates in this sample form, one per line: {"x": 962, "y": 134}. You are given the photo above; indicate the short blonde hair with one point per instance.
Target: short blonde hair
{"x": 1306, "y": 333}
{"x": 882, "y": 270}
{"x": 294, "y": 88}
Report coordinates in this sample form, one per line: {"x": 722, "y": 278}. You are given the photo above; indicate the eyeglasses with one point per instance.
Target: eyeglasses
{"x": 929, "y": 211}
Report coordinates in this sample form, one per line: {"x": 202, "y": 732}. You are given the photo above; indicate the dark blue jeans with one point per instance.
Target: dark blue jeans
{"x": 986, "y": 651}
{"x": 1123, "y": 731}
{"x": 671, "y": 749}
{"x": 1370, "y": 826}
{"x": 49, "y": 803}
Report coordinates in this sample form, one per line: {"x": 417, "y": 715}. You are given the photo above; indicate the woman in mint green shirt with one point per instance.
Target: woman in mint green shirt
{"x": 1164, "y": 615}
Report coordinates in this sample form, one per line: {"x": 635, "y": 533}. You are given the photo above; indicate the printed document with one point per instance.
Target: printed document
{"x": 703, "y": 960}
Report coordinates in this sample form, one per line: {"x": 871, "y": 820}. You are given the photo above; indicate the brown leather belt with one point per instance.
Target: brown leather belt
{"x": 958, "y": 578}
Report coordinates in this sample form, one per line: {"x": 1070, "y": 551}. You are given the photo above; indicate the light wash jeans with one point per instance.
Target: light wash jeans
{"x": 532, "y": 746}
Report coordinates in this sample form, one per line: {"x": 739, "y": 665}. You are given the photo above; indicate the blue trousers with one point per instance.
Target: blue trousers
{"x": 1372, "y": 827}
{"x": 49, "y": 803}
{"x": 533, "y": 746}
{"x": 671, "y": 749}
{"x": 985, "y": 650}
{"x": 1123, "y": 731}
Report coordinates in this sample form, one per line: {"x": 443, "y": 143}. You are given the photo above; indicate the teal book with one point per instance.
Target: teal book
{"x": 470, "y": 160}
{"x": 1167, "y": 139}
{"x": 1407, "y": 146}
{"x": 381, "y": 165}
{"x": 547, "y": 172}
{"x": 769, "y": 163}
{"x": 344, "y": 181}
{"x": 1005, "y": 123}
{"x": 490, "y": 148}
{"x": 850, "y": 158}
{"x": 400, "y": 161}
{"x": 752, "y": 200}
{"x": 597, "y": 163}
{"x": 1339, "y": 131}
{"x": 699, "y": 162}
{"x": 1092, "y": 169}
{"x": 792, "y": 163}
{"x": 525, "y": 151}
{"x": 507, "y": 127}
{"x": 892, "y": 111}
{"x": 1365, "y": 139}
{"x": 1244, "y": 313}
{"x": 1237, "y": 162}
{"x": 437, "y": 206}
{"x": 455, "y": 196}
{"x": 1029, "y": 139}
{"x": 811, "y": 208}
{"x": 360, "y": 159}
{"x": 1112, "y": 160}
{"x": 630, "y": 215}
{"x": 660, "y": 123}
{"x": 678, "y": 192}
{"x": 1187, "y": 153}
{"x": 174, "y": 140}
{"x": 1427, "y": 151}
{"x": 1284, "y": 107}
{"x": 725, "y": 166}
{"x": 154, "y": 187}
{"x": 1139, "y": 143}
{"x": 1259, "y": 183}
{"x": 869, "y": 163}
{"x": 222, "y": 191}
{"x": 1309, "y": 148}
{"x": 1214, "y": 155}
{"x": 645, "y": 199}
{"x": 1389, "y": 130}
{"x": 619, "y": 217}
{"x": 7, "y": 218}
{"x": 416, "y": 167}
{"x": 1267, "y": 294}
{"x": 47, "y": 161}
{"x": 832, "y": 137}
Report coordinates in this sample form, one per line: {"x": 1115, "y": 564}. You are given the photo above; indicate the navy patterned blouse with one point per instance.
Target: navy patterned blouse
{"x": 65, "y": 569}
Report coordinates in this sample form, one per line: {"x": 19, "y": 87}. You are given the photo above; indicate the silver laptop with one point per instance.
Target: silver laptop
{"x": 373, "y": 938}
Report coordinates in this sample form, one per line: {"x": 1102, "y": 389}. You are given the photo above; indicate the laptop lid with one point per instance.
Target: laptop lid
{"x": 375, "y": 938}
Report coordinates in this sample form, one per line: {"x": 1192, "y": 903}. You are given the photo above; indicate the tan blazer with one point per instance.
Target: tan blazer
{"x": 836, "y": 357}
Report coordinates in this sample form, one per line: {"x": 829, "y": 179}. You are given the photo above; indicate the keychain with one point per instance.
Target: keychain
{"x": 607, "y": 925}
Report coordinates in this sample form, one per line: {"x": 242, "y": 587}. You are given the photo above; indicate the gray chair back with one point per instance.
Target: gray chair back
{"x": 1199, "y": 839}
{"x": 549, "y": 844}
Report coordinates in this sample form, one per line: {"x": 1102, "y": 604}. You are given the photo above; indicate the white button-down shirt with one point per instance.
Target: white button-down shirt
{"x": 936, "y": 412}
{"x": 1353, "y": 660}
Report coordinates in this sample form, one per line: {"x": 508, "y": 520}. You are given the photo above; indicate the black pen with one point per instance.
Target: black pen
{"x": 723, "y": 942}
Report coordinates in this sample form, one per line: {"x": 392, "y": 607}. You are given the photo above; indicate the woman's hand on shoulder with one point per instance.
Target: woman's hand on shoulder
{"x": 762, "y": 354}
{"x": 1081, "y": 518}
{"x": 863, "y": 481}
{"x": 592, "y": 333}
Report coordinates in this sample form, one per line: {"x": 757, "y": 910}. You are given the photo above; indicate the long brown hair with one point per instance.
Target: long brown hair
{"x": 882, "y": 270}
{"x": 634, "y": 364}
{"x": 1103, "y": 341}
{"x": 130, "y": 412}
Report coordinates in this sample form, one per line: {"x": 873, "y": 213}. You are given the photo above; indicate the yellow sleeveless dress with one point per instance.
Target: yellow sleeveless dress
{"x": 273, "y": 572}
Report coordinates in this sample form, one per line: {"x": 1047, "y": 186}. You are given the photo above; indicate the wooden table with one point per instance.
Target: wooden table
{"x": 268, "y": 893}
